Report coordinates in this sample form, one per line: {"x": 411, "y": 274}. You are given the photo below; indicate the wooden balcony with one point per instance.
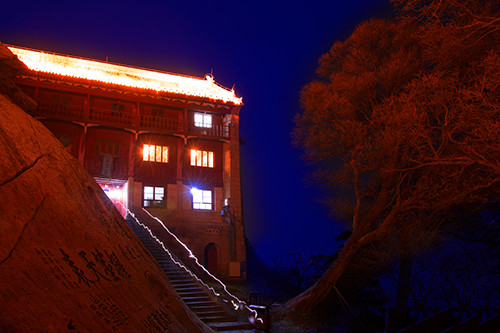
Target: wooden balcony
{"x": 111, "y": 118}
{"x": 220, "y": 131}
{"x": 161, "y": 124}
{"x": 63, "y": 113}
{"x": 129, "y": 120}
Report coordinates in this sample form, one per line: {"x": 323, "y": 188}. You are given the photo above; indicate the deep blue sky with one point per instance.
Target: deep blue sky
{"x": 267, "y": 49}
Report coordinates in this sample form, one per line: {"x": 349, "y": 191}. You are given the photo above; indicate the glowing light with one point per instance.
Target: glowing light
{"x": 123, "y": 75}
{"x": 202, "y": 158}
{"x": 113, "y": 192}
{"x": 145, "y": 153}
{"x": 236, "y": 303}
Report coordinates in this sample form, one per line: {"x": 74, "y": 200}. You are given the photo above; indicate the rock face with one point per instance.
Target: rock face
{"x": 9, "y": 67}
{"x": 68, "y": 260}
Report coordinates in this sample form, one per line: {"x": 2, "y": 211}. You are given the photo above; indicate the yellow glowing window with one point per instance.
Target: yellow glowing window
{"x": 202, "y": 158}
{"x": 154, "y": 153}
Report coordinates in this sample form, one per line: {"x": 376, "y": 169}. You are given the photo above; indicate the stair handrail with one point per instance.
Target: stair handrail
{"x": 238, "y": 305}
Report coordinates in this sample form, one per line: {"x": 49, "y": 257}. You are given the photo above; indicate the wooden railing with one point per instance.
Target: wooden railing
{"x": 216, "y": 131}
{"x": 160, "y": 123}
{"x": 66, "y": 113}
{"x": 122, "y": 119}
{"x": 106, "y": 117}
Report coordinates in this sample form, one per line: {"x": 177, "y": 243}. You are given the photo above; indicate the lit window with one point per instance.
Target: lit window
{"x": 153, "y": 196}
{"x": 202, "y": 199}
{"x": 153, "y": 153}
{"x": 202, "y": 158}
{"x": 202, "y": 120}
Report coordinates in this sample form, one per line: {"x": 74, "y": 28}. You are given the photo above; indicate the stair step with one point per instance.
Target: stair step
{"x": 195, "y": 299}
{"x": 194, "y": 305}
{"x": 187, "y": 286}
{"x": 171, "y": 270}
{"x": 179, "y": 278}
{"x": 183, "y": 284}
{"x": 163, "y": 258}
{"x": 218, "y": 312}
{"x": 198, "y": 296}
{"x": 171, "y": 263}
{"x": 206, "y": 308}
{"x": 217, "y": 319}
{"x": 176, "y": 283}
{"x": 155, "y": 250}
{"x": 176, "y": 272}
{"x": 232, "y": 325}
{"x": 192, "y": 293}
{"x": 192, "y": 288}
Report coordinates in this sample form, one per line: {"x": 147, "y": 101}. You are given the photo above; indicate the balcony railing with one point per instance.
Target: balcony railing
{"x": 215, "y": 130}
{"x": 66, "y": 113}
{"x": 122, "y": 119}
{"x": 160, "y": 123}
{"x": 113, "y": 118}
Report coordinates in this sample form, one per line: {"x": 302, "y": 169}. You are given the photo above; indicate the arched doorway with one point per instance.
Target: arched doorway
{"x": 211, "y": 258}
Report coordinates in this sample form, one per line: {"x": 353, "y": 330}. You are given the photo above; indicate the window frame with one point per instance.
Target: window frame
{"x": 107, "y": 147}
{"x": 154, "y": 202}
{"x": 152, "y": 155}
{"x": 60, "y": 101}
{"x": 202, "y": 123}
{"x": 202, "y": 205}
{"x": 117, "y": 109}
{"x": 201, "y": 158}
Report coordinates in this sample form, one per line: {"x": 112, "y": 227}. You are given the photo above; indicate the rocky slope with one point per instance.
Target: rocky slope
{"x": 68, "y": 261}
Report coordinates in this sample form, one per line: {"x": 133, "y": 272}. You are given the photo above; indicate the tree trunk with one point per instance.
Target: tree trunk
{"x": 310, "y": 298}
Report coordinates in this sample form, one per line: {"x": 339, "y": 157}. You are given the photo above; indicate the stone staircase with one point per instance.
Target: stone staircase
{"x": 199, "y": 299}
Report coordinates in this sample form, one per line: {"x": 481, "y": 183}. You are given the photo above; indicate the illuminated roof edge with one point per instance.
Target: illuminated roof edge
{"x": 129, "y": 76}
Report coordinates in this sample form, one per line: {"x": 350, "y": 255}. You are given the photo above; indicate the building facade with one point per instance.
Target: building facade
{"x": 162, "y": 142}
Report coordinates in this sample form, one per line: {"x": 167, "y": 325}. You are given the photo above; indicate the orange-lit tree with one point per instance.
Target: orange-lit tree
{"x": 407, "y": 114}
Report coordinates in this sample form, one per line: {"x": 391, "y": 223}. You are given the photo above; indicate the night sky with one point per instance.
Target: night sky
{"x": 267, "y": 49}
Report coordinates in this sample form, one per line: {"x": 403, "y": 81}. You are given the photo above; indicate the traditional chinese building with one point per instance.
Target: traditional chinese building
{"x": 163, "y": 142}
